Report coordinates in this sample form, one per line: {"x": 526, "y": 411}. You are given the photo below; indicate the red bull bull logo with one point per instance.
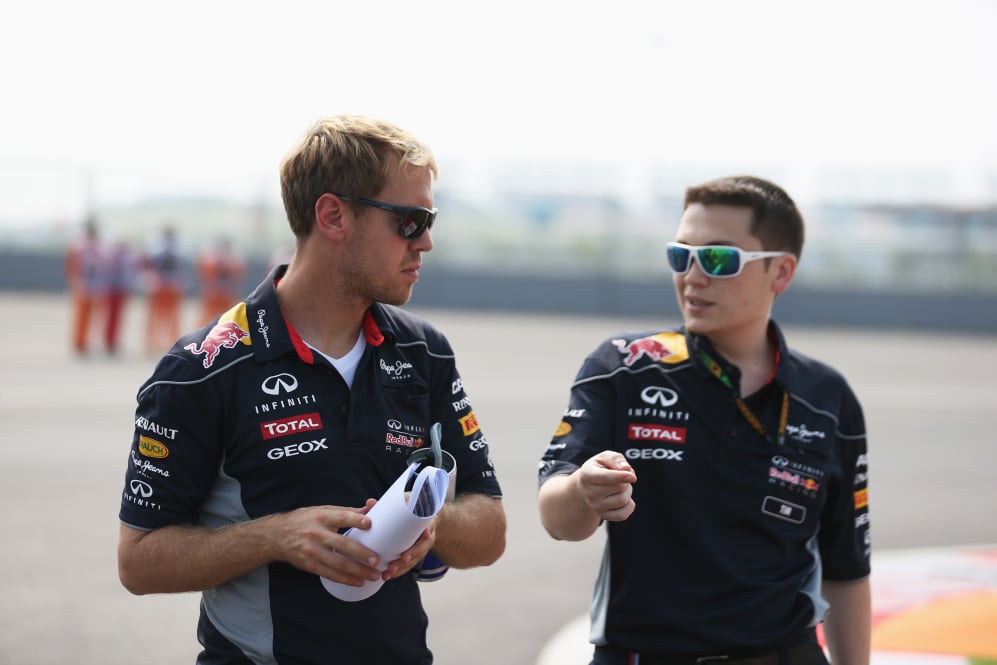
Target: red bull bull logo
{"x": 663, "y": 347}
{"x": 225, "y": 335}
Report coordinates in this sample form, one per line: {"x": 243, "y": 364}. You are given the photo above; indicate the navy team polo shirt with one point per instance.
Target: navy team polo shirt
{"x": 241, "y": 420}
{"x": 732, "y": 534}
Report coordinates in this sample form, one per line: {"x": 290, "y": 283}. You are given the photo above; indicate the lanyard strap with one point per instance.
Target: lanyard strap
{"x": 717, "y": 370}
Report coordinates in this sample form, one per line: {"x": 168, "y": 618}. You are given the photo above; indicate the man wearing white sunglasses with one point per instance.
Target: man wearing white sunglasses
{"x": 730, "y": 469}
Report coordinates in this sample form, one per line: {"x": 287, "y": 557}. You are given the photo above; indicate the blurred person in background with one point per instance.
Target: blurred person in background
{"x": 221, "y": 271}
{"x": 261, "y": 438}
{"x": 164, "y": 267}
{"x": 120, "y": 272}
{"x": 728, "y": 468}
{"x": 83, "y": 269}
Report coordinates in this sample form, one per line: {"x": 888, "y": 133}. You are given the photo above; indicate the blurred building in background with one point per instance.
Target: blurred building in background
{"x": 902, "y": 246}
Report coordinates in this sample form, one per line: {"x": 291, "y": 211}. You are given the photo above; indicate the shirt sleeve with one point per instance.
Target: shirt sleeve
{"x": 174, "y": 456}
{"x": 462, "y": 435}
{"x": 844, "y": 538}
{"x": 585, "y": 428}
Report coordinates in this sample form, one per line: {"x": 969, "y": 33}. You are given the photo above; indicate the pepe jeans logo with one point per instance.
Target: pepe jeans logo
{"x": 801, "y": 433}
{"x": 262, "y": 327}
{"x": 396, "y": 371}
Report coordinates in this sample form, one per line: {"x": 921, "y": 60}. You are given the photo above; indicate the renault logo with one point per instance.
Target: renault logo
{"x": 275, "y": 385}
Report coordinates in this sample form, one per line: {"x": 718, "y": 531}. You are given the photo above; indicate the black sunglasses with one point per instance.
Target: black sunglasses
{"x": 412, "y": 220}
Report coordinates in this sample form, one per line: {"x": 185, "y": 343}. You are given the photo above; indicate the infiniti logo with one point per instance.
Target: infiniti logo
{"x": 658, "y": 395}
{"x": 140, "y": 488}
{"x": 779, "y": 460}
{"x": 395, "y": 424}
{"x": 275, "y": 385}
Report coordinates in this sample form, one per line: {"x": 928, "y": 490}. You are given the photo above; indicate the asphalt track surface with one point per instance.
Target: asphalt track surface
{"x": 931, "y": 408}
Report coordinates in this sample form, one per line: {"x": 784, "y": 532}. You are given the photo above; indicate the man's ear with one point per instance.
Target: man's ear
{"x": 331, "y": 218}
{"x": 785, "y": 269}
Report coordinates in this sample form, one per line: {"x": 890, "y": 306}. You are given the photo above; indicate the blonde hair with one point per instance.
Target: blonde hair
{"x": 352, "y": 155}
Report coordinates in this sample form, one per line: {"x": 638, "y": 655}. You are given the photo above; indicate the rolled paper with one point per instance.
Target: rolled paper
{"x": 395, "y": 524}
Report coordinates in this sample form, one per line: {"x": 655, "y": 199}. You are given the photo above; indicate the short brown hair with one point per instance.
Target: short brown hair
{"x": 775, "y": 221}
{"x": 345, "y": 154}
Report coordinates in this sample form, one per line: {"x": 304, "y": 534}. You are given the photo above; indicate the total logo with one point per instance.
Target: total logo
{"x": 653, "y": 432}
{"x": 291, "y": 425}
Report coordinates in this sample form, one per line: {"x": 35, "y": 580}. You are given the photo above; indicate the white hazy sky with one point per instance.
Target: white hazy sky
{"x": 201, "y": 96}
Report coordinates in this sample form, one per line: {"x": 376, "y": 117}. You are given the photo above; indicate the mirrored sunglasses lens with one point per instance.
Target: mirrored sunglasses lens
{"x": 415, "y": 222}
{"x": 719, "y": 261}
{"x": 678, "y": 258}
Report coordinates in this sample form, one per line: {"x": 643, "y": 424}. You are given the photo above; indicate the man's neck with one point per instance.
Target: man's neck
{"x": 328, "y": 323}
{"x": 752, "y": 353}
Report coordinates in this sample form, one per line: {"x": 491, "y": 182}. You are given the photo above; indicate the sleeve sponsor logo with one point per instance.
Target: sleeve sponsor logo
{"x": 305, "y": 422}
{"x": 225, "y": 335}
{"x": 138, "y": 493}
{"x": 146, "y": 468}
{"x": 563, "y": 429}
{"x": 469, "y": 424}
{"x": 149, "y": 447}
{"x": 147, "y": 425}
{"x": 861, "y": 499}
{"x": 666, "y": 347}
{"x": 654, "y": 432}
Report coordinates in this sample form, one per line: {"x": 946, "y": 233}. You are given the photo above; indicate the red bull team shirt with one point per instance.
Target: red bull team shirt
{"x": 241, "y": 419}
{"x": 733, "y": 531}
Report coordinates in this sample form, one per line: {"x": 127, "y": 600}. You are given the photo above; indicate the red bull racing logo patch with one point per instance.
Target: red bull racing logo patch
{"x": 232, "y": 328}
{"x": 666, "y": 347}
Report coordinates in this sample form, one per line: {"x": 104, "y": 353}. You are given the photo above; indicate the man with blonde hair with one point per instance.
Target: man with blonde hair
{"x": 262, "y": 437}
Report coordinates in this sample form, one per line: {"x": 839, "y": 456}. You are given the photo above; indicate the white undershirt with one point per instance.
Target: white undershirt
{"x": 347, "y": 365}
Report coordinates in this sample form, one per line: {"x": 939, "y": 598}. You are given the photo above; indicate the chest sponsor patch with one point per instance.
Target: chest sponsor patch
{"x": 655, "y": 432}
{"x": 784, "y": 510}
{"x": 304, "y": 422}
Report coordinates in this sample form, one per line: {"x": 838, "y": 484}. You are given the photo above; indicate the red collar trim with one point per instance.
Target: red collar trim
{"x": 371, "y": 331}
{"x": 304, "y": 351}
